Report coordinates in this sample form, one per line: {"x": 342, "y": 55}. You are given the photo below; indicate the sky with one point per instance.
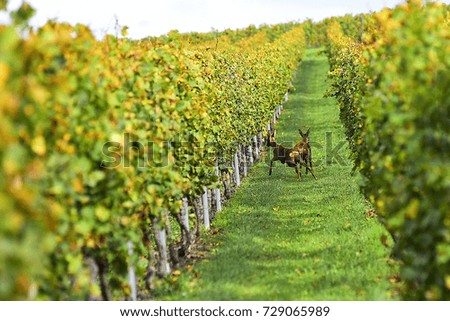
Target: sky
{"x": 156, "y": 17}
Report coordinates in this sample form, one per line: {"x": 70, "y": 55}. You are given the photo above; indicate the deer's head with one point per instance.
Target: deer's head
{"x": 305, "y": 136}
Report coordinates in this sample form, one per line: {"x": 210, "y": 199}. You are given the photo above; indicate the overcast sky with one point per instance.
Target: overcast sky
{"x": 156, "y": 17}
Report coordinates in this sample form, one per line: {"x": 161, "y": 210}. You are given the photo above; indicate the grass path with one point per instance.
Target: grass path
{"x": 281, "y": 239}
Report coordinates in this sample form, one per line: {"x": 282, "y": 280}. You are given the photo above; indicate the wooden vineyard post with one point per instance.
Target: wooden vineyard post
{"x": 217, "y": 195}
{"x": 198, "y": 215}
{"x": 185, "y": 213}
{"x": 256, "y": 150}
{"x": 132, "y": 274}
{"x": 186, "y": 236}
{"x": 243, "y": 159}
{"x": 226, "y": 179}
{"x": 205, "y": 208}
{"x": 93, "y": 268}
{"x": 250, "y": 155}
{"x": 161, "y": 244}
{"x": 236, "y": 170}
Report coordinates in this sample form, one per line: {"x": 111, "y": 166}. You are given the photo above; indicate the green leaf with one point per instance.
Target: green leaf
{"x": 23, "y": 14}
{"x": 83, "y": 227}
{"x": 102, "y": 213}
{"x": 75, "y": 263}
{"x": 124, "y": 31}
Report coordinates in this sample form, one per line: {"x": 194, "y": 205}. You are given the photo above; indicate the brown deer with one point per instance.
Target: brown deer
{"x": 285, "y": 155}
{"x": 304, "y": 149}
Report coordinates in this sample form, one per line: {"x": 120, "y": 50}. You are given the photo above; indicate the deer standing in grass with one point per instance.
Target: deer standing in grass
{"x": 304, "y": 149}
{"x": 285, "y": 155}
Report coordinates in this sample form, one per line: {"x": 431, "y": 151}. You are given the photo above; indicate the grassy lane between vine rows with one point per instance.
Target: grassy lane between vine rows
{"x": 280, "y": 239}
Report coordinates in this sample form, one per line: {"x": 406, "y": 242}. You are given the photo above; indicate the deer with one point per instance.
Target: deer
{"x": 289, "y": 156}
{"x": 304, "y": 149}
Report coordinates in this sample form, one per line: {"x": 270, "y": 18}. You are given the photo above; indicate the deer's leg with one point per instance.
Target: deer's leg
{"x": 306, "y": 164}
{"x": 308, "y": 168}
{"x": 270, "y": 169}
{"x": 310, "y": 164}
{"x": 299, "y": 173}
{"x": 312, "y": 173}
{"x": 307, "y": 158}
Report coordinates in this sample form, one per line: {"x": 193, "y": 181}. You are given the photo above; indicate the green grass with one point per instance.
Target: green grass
{"x": 281, "y": 239}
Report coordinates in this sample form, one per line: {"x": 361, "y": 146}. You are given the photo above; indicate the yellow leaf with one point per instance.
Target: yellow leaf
{"x": 15, "y": 222}
{"x": 77, "y": 185}
{"x": 95, "y": 290}
{"x": 117, "y": 138}
{"x": 38, "y": 145}
{"x": 412, "y": 209}
{"x": 124, "y": 220}
{"x": 380, "y": 204}
{"x": 39, "y": 94}
{"x": 90, "y": 243}
{"x": 4, "y": 74}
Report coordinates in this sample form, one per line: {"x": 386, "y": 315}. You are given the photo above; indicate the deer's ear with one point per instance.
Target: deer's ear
{"x": 307, "y": 132}
{"x": 300, "y": 132}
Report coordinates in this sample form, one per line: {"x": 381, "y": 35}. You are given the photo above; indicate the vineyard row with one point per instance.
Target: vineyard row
{"x": 392, "y": 87}
{"x": 74, "y": 229}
